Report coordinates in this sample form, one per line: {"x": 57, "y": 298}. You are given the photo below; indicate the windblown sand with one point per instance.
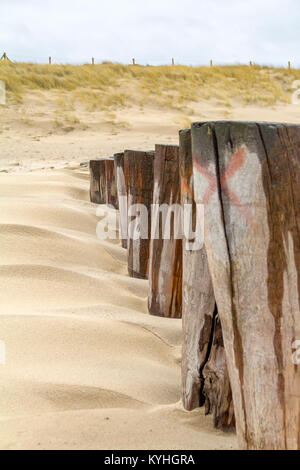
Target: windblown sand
{"x": 86, "y": 366}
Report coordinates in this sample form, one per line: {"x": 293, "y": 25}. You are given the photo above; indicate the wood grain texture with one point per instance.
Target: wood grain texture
{"x": 97, "y": 174}
{"x": 111, "y": 186}
{"x": 138, "y": 171}
{"x": 165, "y": 263}
{"x": 217, "y": 389}
{"x": 122, "y": 196}
{"x": 198, "y": 301}
{"x": 248, "y": 177}
{"x": 204, "y": 372}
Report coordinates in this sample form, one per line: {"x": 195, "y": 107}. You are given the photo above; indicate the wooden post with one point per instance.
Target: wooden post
{"x": 165, "y": 262}
{"x": 248, "y": 177}
{"x": 97, "y": 181}
{"x": 138, "y": 170}
{"x": 289, "y": 66}
{"x": 133, "y": 61}
{"x": 211, "y": 63}
{"x": 93, "y": 61}
{"x": 122, "y": 196}
{"x": 173, "y": 62}
{"x": 198, "y": 302}
{"x": 50, "y": 60}
{"x": 111, "y": 187}
{"x": 4, "y": 57}
{"x": 199, "y": 315}
{"x": 217, "y": 390}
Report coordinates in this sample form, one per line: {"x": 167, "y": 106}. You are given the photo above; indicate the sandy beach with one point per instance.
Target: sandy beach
{"x": 86, "y": 366}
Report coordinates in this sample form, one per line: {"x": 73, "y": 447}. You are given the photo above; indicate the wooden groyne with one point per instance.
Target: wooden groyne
{"x": 234, "y": 277}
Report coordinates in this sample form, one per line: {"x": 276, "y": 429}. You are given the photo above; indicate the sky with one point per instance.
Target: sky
{"x": 152, "y": 31}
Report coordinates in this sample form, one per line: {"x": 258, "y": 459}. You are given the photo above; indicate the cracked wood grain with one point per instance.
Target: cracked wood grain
{"x": 165, "y": 262}
{"x": 198, "y": 316}
{"x": 252, "y": 241}
{"x": 138, "y": 171}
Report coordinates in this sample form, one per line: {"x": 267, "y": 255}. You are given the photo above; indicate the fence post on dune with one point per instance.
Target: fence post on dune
{"x": 97, "y": 181}
{"x": 93, "y": 61}
{"x": 111, "y": 187}
{"x": 138, "y": 171}
{"x": 204, "y": 379}
{"x": 4, "y": 57}
{"x": 122, "y": 196}
{"x": 248, "y": 177}
{"x": 165, "y": 262}
{"x": 50, "y": 60}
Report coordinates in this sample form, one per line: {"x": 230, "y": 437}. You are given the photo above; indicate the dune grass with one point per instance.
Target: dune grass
{"x": 109, "y": 86}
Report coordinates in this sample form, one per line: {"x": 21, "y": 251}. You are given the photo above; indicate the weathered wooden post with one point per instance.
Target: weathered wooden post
{"x": 173, "y": 61}
{"x": 248, "y": 177}
{"x": 93, "y": 61}
{"x": 289, "y": 66}
{"x": 111, "y": 187}
{"x": 97, "y": 181}
{"x": 199, "y": 311}
{"x": 165, "y": 263}
{"x": 122, "y": 196}
{"x": 133, "y": 61}
{"x": 198, "y": 301}
{"x": 138, "y": 170}
{"x": 217, "y": 389}
{"x": 50, "y": 60}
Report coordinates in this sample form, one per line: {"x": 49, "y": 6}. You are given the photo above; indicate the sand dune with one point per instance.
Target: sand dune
{"x": 86, "y": 366}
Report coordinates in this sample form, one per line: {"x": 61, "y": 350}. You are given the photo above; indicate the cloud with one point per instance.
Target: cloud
{"x": 193, "y": 31}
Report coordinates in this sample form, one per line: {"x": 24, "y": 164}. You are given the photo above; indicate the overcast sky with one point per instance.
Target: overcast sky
{"x": 152, "y": 31}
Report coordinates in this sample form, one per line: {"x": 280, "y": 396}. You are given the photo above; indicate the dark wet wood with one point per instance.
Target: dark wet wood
{"x": 97, "y": 181}
{"x": 248, "y": 177}
{"x": 198, "y": 301}
{"x": 122, "y": 197}
{"x": 165, "y": 264}
{"x": 111, "y": 186}
{"x": 138, "y": 171}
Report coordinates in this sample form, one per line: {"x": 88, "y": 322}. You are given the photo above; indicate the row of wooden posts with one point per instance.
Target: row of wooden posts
{"x": 251, "y": 64}
{"x": 4, "y": 57}
{"x": 238, "y": 294}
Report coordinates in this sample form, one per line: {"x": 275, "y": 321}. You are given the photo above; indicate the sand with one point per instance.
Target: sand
{"x": 86, "y": 366}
